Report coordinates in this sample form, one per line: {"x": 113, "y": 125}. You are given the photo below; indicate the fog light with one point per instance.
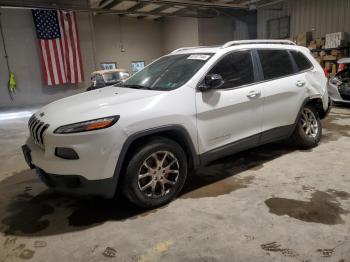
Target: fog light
{"x": 66, "y": 153}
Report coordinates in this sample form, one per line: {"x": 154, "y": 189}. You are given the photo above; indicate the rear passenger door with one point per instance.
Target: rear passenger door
{"x": 283, "y": 90}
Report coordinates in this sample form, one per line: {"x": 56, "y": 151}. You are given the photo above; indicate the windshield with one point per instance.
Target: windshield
{"x": 168, "y": 73}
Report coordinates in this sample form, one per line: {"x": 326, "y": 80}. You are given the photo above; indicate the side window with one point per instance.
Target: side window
{"x": 302, "y": 62}
{"x": 236, "y": 69}
{"x": 275, "y": 63}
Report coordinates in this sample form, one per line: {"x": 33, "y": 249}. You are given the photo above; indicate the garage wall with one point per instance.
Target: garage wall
{"x": 141, "y": 40}
{"x": 320, "y": 16}
{"x": 221, "y": 30}
{"x": 23, "y": 54}
{"x": 179, "y": 32}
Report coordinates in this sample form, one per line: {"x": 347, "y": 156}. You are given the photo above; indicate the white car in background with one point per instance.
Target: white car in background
{"x": 183, "y": 111}
{"x": 339, "y": 85}
{"x": 103, "y": 78}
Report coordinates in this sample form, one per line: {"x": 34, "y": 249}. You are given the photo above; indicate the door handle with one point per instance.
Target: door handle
{"x": 300, "y": 83}
{"x": 253, "y": 94}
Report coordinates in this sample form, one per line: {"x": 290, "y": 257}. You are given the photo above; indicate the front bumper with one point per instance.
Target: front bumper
{"x": 93, "y": 173}
{"x": 335, "y": 95}
{"x": 78, "y": 185}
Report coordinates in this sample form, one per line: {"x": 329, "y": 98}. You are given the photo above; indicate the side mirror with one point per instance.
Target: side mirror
{"x": 212, "y": 81}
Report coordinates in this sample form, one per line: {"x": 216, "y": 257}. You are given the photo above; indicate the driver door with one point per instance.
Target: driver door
{"x": 229, "y": 119}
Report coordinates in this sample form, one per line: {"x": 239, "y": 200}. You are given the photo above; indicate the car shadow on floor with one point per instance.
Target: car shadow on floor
{"x": 28, "y": 208}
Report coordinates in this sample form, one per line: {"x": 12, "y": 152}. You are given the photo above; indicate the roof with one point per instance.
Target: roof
{"x": 268, "y": 43}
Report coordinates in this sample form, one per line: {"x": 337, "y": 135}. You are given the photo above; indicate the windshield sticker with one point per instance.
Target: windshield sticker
{"x": 199, "y": 57}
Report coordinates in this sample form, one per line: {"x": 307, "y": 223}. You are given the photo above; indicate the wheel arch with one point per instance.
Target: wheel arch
{"x": 317, "y": 103}
{"x": 173, "y": 132}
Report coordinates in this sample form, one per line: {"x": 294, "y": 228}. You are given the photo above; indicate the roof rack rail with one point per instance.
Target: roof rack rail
{"x": 189, "y": 48}
{"x": 252, "y": 42}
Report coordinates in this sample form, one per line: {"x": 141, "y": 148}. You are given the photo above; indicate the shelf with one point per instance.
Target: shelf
{"x": 329, "y": 49}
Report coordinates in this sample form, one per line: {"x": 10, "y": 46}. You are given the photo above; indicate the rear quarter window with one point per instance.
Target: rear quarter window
{"x": 275, "y": 63}
{"x": 302, "y": 62}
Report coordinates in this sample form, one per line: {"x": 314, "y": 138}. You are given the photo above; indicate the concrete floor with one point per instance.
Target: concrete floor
{"x": 273, "y": 203}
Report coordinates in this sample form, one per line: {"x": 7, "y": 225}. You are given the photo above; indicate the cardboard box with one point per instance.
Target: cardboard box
{"x": 304, "y": 39}
{"x": 312, "y": 46}
{"x": 334, "y": 70}
{"x": 336, "y": 52}
{"x": 315, "y": 54}
{"x": 320, "y": 42}
{"x": 328, "y": 66}
{"x": 320, "y": 61}
{"x": 330, "y": 58}
{"x": 336, "y": 40}
{"x": 322, "y": 53}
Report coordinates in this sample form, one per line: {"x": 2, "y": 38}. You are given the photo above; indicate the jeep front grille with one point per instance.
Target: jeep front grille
{"x": 37, "y": 129}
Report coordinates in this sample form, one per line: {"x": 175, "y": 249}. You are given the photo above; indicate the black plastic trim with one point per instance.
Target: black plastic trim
{"x": 230, "y": 149}
{"x": 66, "y": 153}
{"x": 77, "y": 185}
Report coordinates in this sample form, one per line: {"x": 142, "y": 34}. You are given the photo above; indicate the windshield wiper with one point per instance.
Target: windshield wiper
{"x": 137, "y": 87}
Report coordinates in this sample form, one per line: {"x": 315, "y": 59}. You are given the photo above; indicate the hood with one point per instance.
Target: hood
{"x": 94, "y": 104}
{"x": 345, "y": 60}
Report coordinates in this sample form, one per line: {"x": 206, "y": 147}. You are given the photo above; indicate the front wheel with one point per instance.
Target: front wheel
{"x": 308, "y": 131}
{"x": 156, "y": 173}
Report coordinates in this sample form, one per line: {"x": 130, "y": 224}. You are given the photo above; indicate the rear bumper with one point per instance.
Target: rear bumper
{"x": 78, "y": 185}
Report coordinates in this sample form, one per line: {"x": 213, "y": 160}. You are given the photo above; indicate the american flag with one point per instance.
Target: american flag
{"x": 59, "y": 46}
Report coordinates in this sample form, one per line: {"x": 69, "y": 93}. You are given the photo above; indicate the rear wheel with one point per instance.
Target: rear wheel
{"x": 156, "y": 173}
{"x": 308, "y": 131}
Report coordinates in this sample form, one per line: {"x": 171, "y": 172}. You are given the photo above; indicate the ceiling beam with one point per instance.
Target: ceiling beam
{"x": 31, "y": 5}
{"x": 135, "y": 7}
{"x": 271, "y": 3}
{"x": 160, "y": 9}
{"x": 196, "y": 3}
{"x": 250, "y": 2}
{"x": 112, "y": 4}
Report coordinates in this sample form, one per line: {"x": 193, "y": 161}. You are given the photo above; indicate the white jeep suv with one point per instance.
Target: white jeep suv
{"x": 182, "y": 111}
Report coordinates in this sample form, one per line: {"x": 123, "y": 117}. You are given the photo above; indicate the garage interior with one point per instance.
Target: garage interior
{"x": 272, "y": 203}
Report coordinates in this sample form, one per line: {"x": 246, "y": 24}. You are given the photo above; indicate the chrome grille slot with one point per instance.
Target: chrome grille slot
{"x": 37, "y": 130}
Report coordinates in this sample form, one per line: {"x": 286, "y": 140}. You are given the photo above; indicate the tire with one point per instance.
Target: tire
{"x": 308, "y": 131}
{"x": 148, "y": 182}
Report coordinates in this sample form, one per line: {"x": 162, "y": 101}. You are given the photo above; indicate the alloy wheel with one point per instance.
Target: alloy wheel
{"x": 158, "y": 174}
{"x": 309, "y": 123}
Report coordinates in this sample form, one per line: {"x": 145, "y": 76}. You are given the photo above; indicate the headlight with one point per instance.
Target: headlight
{"x": 336, "y": 81}
{"x": 89, "y": 125}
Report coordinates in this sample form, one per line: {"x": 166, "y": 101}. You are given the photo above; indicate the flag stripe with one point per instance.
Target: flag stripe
{"x": 57, "y": 60}
{"x": 43, "y": 66}
{"x": 53, "y": 63}
{"x": 49, "y": 61}
{"x": 46, "y": 62}
{"x": 63, "y": 47}
{"x": 66, "y": 46}
{"x": 74, "y": 54}
{"x": 79, "y": 52}
{"x": 69, "y": 52}
{"x": 77, "y": 67}
{"x": 60, "y": 60}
